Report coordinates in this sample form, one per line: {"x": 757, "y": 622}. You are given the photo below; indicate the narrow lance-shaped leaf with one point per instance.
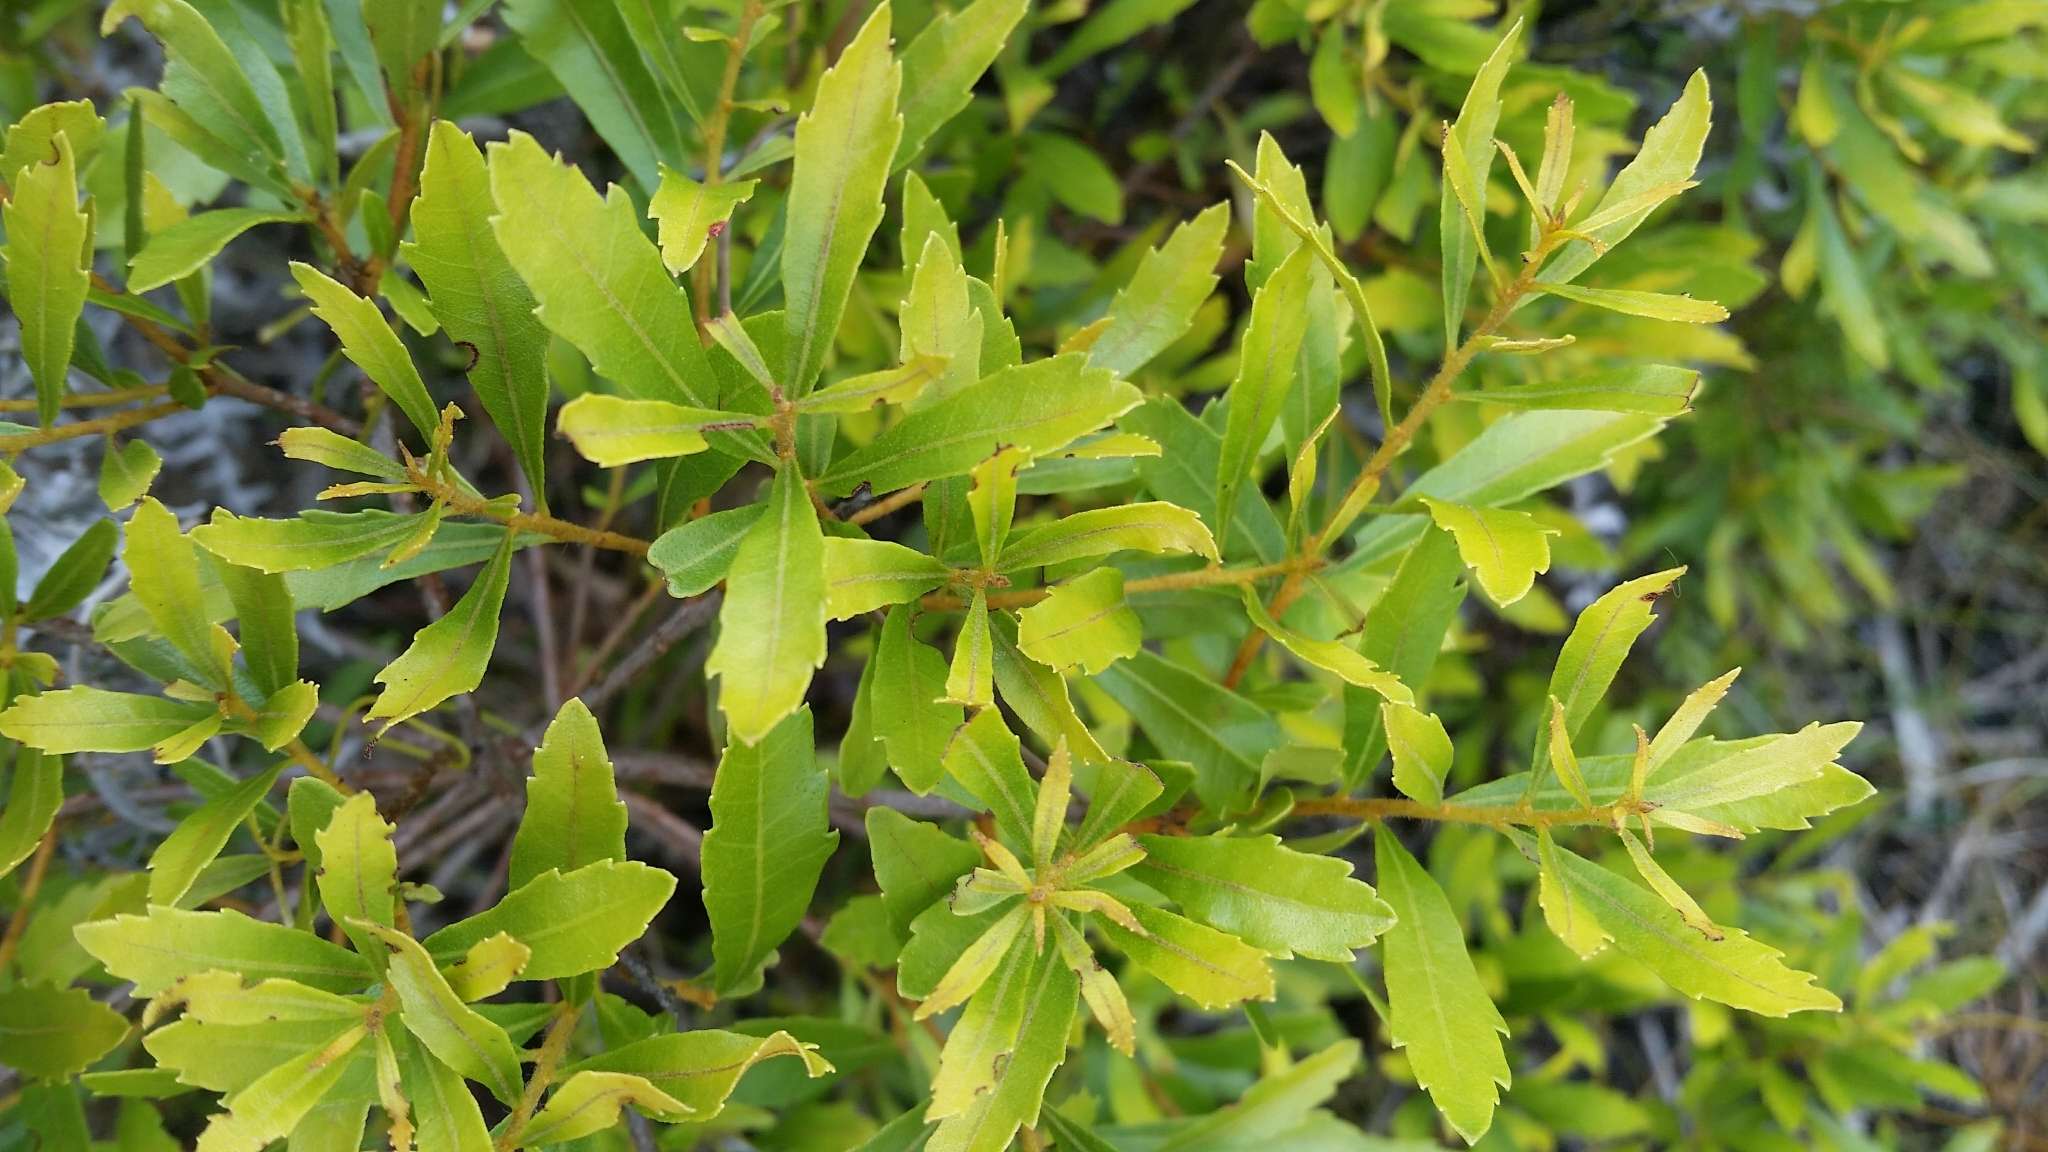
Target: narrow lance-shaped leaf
{"x": 1336, "y": 656}
{"x": 594, "y": 51}
{"x": 358, "y": 873}
{"x": 573, "y": 813}
{"x": 87, "y": 719}
{"x": 1422, "y": 751}
{"x": 277, "y": 1101}
{"x": 907, "y": 705}
{"x": 55, "y": 1033}
{"x": 600, "y": 281}
{"x": 1670, "y": 152}
{"x": 970, "y": 681}
{"x": 1599, "y": 642}
{"x": 844, "y": 148}
{"x": 767, "y": 845}
{"x": 48, "y": 240}
{"x": 1158, "y": 305}
{"x": 164, "y": 573}
{"x": 771, "y": 633}
{"x": 479, "y": 300}
{"x": 179, "y": 250}
{"x": 167, "y": 945}
{"x": 1038, "y": 407}
{"x": 1034, "y": 1051}
{"x": 34, "y": 793}
{"x": 1439, "y": 1012}
{"x": 437, "y": 1017}
{"x": 199, "y": 837}
{"x": 1469, "y": 139}
{"x": 700, "y": 1068}
{"x": 1212, "y": 968}
{"x": 943, "y": 62}
{"x": 1265, "y": 371}
{"x": 1281, "y": 900}
{"x": 447, "y": 658}
{"x": 611, "y": 431}
{"x": 1154, "y": 526}
{"x": 590, "y": 1102}
{"x": 573, "y": 922}
{"x": 863, "y": 575}
{"x": 1734, "y": 970}
{"x": 369, "y": 341}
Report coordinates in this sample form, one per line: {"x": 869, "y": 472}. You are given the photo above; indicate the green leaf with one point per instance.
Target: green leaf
{"x": 1670, "y": 153}
{"x": 845, "y": 146}
{"x": 447, "y": 657}
{"x": 942, "y": 64}
{"x": 477, "y": 297}
{"x": 1190, "y": 717}
{"x": 48, "y": 245}
{"x": 1274, "y": 1106}
{"x": 1735, "y": 970}
{"x": 1039, "y": 697}
{"x": 1037, "y": 407}
{"x": 274, "y": 1104}
{"x": 1214, "y": 969}
{"x": 34, "y": 793}
{"x": 985, "y": 758}
{"x": 970, "y": 679}
{"x": 190, "y": 244}
{"x": 573, "y": 813}
{"x": 684, "y": 212}
{"x": 85, "y": 719}
{"x": 575, "y": 922}
{"x": 698, "y": 555}
{"x": 269, "y": 637}
{"x": 768, "y": 843}
{"x": 771, "y": 628}
{"x": 1265, "y": 370}
{"x": 1468, "y": 158}
{"x": 1691, "y": 713}
{"x": 1085, "y": 183}
{"x": 126, "y": 472}
{"x": 369, "y": 341}
{"x": 592, "y": 51}
{"x": 166, "y": 945}
{"x": 29, "y": 138}
{"x": 454, "y": 1032}
{"x": 905, "y": 704}
{"x": 488, "y": 968}
{"x": 403, "y": 33}
{"x": 973, "y": 1055}
{"x": 358, "y": 873}
{"x": 1650, "y": 389}
{"x": 54, "y": 1033}
{"x": 1661, "y": 883}
{"x": 324, "y": 446}
{"x": 1031, "y": 1053}
{"x": 1763, "y": 768}
{"x": 164, "y": 575}
{"x": 1155, "y": 526}
{"x": 1422, "y": 751}
{"x": 310, "y": 803}
{"x": 1439, "y": 1012}
{"x": 863, "y": 575}
{"x": 208, "y": 85}
{"x": 600, "y": 282}
{"x": 915, "y": 863}
{"x": 1650, "y": 305}
{"x": 1600, "y": 640}
{"x": 699, "y": 1069}
{"x": 199, "y": 837}
{"x": 1271, "y": 896}
{"x": 1083, "y": 623}
{"x": 444, "y": 1110}
{"x": 610, "y": 431}
{"x": 888, "y": 386}
{"x": 74, "y": 574}
{"x": 590, "y": 1102}
{"x": 1158, "y": 305}
{"x": 315, "y": 539}
{"x": 1504, "y": 549}
{"x": 1330, "y": 655}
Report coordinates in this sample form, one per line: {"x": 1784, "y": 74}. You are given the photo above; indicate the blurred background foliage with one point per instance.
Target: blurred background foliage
{"x": 1860, "y": 488}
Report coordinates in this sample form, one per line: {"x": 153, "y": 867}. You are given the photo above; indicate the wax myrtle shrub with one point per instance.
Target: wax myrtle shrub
{"x": 1079, "y": 622}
